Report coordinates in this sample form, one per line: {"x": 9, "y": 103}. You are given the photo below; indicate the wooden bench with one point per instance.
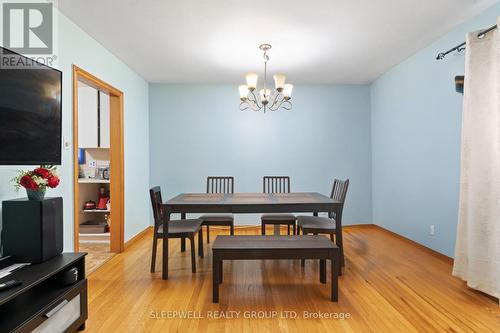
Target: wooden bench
{"x": 275, "y": 247}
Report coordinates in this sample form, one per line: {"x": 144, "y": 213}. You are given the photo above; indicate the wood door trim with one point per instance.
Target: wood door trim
{"x": 116, "y": 155}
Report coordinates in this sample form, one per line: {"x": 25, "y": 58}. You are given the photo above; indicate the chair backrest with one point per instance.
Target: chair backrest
{"x": 156, "y": 201}
{"x": 220, "y": 185}
{"x": 339, "y": 190}
{"x": 276, "y": 184}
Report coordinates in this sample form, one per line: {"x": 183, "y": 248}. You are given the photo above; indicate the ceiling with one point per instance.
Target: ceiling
{"x": 314, "y": 41}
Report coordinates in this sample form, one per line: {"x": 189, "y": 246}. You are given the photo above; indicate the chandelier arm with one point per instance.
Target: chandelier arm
{"x": 244, "y": 106}
{"x": 255, "y": 101}
{"x": 277, "y": 99}
{"x": 253, "y": 105}
{"x": 278, "y": 102}
{"x": 287, "y": 102}
{"x": 283, "y": 103}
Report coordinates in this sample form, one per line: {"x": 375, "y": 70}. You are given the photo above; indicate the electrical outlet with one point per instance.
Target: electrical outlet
{"x": 92, "y": 164}
{"x": 432, "y": 231}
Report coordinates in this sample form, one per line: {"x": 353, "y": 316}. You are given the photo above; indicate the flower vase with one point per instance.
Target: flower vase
{"x": 35, "y": 195}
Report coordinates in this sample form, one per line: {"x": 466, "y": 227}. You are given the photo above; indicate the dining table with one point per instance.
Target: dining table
{"x": 249, "y": 203}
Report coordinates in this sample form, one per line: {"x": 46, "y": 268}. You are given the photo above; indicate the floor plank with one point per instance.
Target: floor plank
{"x": 389, "y": 285}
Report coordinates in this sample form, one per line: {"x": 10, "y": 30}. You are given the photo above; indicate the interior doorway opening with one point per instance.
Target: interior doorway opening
{"x": 98, "y": 167}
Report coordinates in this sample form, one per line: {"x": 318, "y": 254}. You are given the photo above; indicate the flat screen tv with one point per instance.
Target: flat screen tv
{"x": 30, "y": 111}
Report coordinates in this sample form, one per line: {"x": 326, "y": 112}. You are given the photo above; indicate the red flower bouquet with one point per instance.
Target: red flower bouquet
{"x": 36, "y": 181}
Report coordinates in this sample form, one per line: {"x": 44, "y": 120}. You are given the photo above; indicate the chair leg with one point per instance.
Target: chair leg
{"x": 208, "y": 234}
{"x": 200, "y": 243}
{"x": 231, "y": 230}
{"x": 193, "y": 254}
{"x": 263, "y": 228}
{"x": 153, "y": 252}
{"x": 303, "y": 261}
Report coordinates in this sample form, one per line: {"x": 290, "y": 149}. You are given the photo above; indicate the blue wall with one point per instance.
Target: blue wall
{"x": 416, "y": 122}
{"x": 197, "y": 131}
{"x": 76, "y": 47}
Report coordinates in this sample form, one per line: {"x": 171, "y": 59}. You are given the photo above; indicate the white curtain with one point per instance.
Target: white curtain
{"x": 477, "y": 252}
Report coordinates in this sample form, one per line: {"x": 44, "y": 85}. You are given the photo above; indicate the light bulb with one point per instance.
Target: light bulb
{"x": 243, "y": 91}
{"x": 251, "y": 81}
{"x": 279, "y": 81}
{"x": 287, "y": 91}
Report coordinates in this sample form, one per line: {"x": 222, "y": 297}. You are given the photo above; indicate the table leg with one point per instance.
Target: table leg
{"x": 200, "y": 242}
{"x": 303, "y": 261}
{"x": 215, "y": 278}
{"x": 183, "y": 239}
{"x": 322, "y": 270}
{"x": 338, "y": 237}
{"x": 164, "y": 274}
{"x": 335, "y": 276}
{"x": 221, "y": 271}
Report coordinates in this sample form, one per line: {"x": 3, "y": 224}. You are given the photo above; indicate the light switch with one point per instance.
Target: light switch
{"x": 66, "y": 143}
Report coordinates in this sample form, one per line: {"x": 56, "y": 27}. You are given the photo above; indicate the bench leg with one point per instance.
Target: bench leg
{"x": 335, "y": 276}
{"x": 322, "y": 270}
{"x": 193, "y": 254}
{"x": 215, "y": 279}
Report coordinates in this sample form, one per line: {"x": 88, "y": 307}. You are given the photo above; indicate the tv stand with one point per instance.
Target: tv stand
{"x": 43, "y": 302}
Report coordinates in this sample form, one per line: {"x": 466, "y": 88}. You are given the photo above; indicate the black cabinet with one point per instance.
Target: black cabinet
{"x": 45, "y": 302}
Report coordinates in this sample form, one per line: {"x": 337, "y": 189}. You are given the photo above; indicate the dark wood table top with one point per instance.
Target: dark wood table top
{"x": 241, "y": 203}
{"x": 272, "y": 242}
{"x": 249, "y": 199}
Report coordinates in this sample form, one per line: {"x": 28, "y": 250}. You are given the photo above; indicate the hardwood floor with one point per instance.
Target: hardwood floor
{"x": 389, "y": 285}
{"x": 98, "y": 254}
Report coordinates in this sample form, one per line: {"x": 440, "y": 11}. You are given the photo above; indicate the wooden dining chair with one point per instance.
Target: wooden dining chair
{"x": 219, "y": 185}
{"x": 277, "y": 184}
{"x": 326, "y": 225}
{"x": 174, "y": 229}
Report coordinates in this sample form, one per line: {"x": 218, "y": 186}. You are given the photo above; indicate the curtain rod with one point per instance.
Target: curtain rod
{"x": 461, "y": 47}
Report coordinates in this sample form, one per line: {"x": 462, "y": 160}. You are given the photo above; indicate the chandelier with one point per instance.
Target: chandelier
{"x": 267, "y": 100}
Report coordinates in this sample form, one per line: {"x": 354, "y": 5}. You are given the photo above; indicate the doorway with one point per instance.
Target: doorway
{"x": 98, "y": 167}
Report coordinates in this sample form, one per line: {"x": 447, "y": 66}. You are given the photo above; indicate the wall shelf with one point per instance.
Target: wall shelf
{"x": 96, "y": 211}
{"x": 93, "y": 181}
